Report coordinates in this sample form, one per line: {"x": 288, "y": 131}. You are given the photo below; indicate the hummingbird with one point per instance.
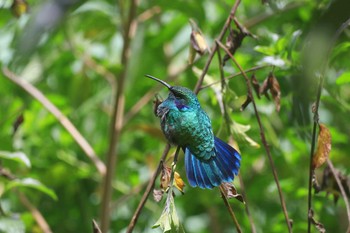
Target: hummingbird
{"x": 208, "y": 160}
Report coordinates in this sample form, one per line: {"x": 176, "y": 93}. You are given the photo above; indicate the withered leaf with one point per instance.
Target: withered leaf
{"x": 330, "y": 186}
{"x": 319, "y": 226}
{"x": 197, "y": 42}
{"x": 19, "y": 7}
{"x": 275, "y": 90}
{"x": 324, "y": 146}
{"x": 246, "y": 103}
{"x": 165, "y": 178}
{"x": 19, "y": 120}
{"x": 256, "y": 85}
{"x": 264, "y": 88}
{"x": 157, "y": 195}
{"x": 231, "y": 192}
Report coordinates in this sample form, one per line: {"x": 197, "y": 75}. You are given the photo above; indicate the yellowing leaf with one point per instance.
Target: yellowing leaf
{"x": 19, "y": 7}
{"x": 178, "y": 182}
{"x": 323, "y": 146}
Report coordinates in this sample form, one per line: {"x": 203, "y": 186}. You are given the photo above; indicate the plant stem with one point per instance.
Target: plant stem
{"x": 62, "y": 119}
{"x": 262, "y": 136}
{"x": 117, "y": 119}
{"x": 316, "y": 116}
{"x": 148, "y": 191}
{"x": 232, "y": 214}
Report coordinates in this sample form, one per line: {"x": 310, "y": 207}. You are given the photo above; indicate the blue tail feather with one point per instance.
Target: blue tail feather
{"x": 221, "y": 167}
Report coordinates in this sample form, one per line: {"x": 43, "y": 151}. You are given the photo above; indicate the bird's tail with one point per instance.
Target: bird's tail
{"x": 221, "y": 167}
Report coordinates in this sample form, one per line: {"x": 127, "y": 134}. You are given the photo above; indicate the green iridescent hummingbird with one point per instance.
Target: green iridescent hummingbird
{"x": 208, "y": 160}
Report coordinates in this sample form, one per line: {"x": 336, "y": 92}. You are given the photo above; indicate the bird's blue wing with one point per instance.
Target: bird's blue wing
{"x": 221, "y": 167}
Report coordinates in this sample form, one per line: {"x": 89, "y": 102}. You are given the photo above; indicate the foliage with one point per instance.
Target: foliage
{"x": 76, "y": 52}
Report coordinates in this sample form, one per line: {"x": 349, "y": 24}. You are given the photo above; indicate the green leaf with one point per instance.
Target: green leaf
{"x": 169, "y": 221}
{"x": 343, "y": 78}
{"x": 31, "y": 183}
{"x": 11, "y": 225}
{"x": 19, "y": 157}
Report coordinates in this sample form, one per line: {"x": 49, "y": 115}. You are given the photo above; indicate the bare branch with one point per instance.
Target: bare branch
{"x": 65, "y": 122}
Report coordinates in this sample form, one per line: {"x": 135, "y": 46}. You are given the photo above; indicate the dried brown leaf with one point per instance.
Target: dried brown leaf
{"x": 165, "y": 178}
{"x": 319, "y": 226}
{"x": 324, "y": 145}
{"x": 264, "y": 88}
{"x": 231, "y": 192}
{"x": 19, "y": 120}
{"x": 156, "y": 102}
{"x": 275, "y": 90}
{"x": 246, "y": 102}
{"x": 330, "y": 186}
{"x": 256, "y": 85}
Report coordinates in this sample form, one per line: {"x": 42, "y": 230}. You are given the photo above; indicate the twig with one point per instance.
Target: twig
{"x": 232, "y": 214}
{"x": 250, "y": 217}
{"x": 342, "y": 191}
{"x": 262, "y": 136}
{"x": 117, "y": 118}
{"x": 148, "y": 191}
{"x": 65, "y": 122}
{"x": 316, "y": 116}
{"x": 95, "y": 227}
{"x": 35, "y": 213}
{"x": 215, "y": 47}
{"x": 228, "y": 123}
{"x": 235, "y": 75}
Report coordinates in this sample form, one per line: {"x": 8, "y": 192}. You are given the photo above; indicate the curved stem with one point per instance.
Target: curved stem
{"x": 262, "y": 136}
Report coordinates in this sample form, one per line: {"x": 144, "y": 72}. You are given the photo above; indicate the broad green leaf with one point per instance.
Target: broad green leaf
{"x": 343, "y": 78}
{"x": 241, "y": 130}
{"x": 31, "y": 183}
{"x": 169, "y": 221}
{"x": 19, "y": 157}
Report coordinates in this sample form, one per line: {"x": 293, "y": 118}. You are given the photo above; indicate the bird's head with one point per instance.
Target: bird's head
{"x": 182, "y": 96}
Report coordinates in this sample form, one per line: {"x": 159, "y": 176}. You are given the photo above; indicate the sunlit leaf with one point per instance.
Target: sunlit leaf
{"x": 240, "y": 130}
{"x": 343, "y": 78}
{"x": 178, "y": 182}
{"x": 16, "y": 156}
{"x": 31, "y": 183}
{"x": 11, "y": 225}
{"x": 323, "y": 146}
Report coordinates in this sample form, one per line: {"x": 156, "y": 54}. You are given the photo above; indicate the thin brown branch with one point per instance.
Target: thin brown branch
{"x": 262, "y": 136}
{"x": 250, "y": 217}
{"x": 215, "y": 47}
{"x": 65, "y": 122}
{"x": 95, "y": 227}
{"x": 117, "y": 117}
{"x": 342, "y": 191}
{"x": 39, "y": 218}
{"x": 230, "y": 210}
{"x": 148, "y": 191}
{"x": 235, "y": 75}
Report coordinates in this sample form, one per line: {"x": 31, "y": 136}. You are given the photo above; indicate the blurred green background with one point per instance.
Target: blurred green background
{"x": 72, "y": 53}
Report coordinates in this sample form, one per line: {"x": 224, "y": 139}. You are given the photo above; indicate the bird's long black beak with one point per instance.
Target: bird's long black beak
{"x": 158, "y": 80}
